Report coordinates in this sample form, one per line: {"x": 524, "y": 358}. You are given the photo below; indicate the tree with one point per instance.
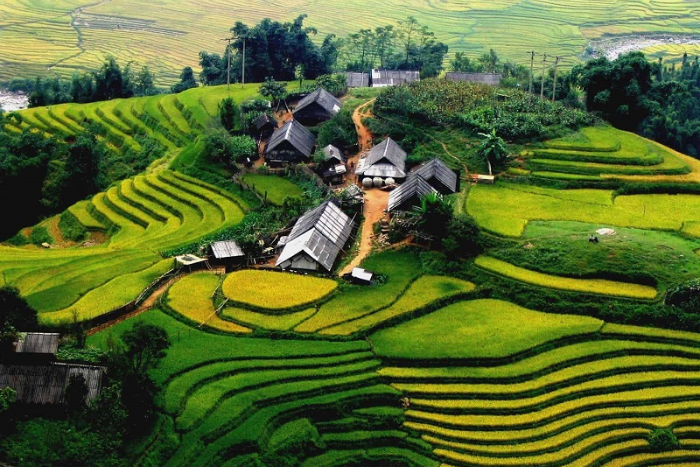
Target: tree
{"x": 492, "y": 150}
{"x": 462, "y": 63}
{"x": 432, "y": 216}
{"x": 187, "y": 81}
{"x": 144, "y": 346}
{"x": 406, "y": 34}
{"x": 76, "y": 394}
{"x": 490, "y": 62}
{"x": 7, "y": 398}
{"x": 144, "y": 83}
{"x": 273, "y": 90}
{"x": 242, "y": 147}
{"x": 15, "y": 311}
{"x": 463, "y": 237}
{"x": 227, "y": 113}
{"x": 663, "y": 440}
{"x": 82, "y": 169}
{"x": 384, "y": 37}
{"x": 111, "y": 82}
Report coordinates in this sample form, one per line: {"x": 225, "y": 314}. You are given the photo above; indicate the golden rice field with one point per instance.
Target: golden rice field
{"x": 59, "y": 37}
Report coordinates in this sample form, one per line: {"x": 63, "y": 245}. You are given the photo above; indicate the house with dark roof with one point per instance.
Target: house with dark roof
{"x": 291, "y": 143}
{"x": 409, "y": 194}
{"x": 385, "y": 160}
{"x": 317, "y": 107}
{"x": 438, "y": 175}
{"x": 333, "y": 168}
{"x": 264, "y": 126}
{"x": 492, "y": 79}
{"x": 385, "y": 78}
{"x": 317, "y": 239}
{"x": 32, "y": 371}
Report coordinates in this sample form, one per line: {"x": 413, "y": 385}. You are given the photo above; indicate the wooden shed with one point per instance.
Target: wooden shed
{"x": 333, "y": 168}
{"x": 317, "y": 107}
{"x": 264, "y": 126}
{"x": 384, "y": 78}
{"x": 291, "y": 143}
{"x": 492, "y": 79}
{"x": 355, "y": 79}
{"x": 227, "y": 253}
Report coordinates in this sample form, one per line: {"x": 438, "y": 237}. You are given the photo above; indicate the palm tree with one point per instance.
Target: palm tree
{"x": 493, "y": 149}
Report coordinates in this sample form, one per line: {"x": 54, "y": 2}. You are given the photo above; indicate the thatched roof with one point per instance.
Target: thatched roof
{"x": 296, "y": 134}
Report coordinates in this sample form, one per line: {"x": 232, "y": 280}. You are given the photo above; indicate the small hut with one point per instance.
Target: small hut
{"x": 190, "y": 263}
{"x": 317, "y": 239}
{"x": 361, "y": 276}
{"x": 317, "y": 107}
{"x": 409, "y": 194}
{"x": 226, "y": 253}
{"x": 439, "y": 176}
{"x": 385, "y": 160}
{"x": 264, "y": 126}
{"x": 384, "y": 78}
{"x": 291, "y": 143}
{"x": 333, "y": 167}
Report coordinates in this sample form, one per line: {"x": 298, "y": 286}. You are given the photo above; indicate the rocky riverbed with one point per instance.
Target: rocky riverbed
{"x": 10, "y": 101}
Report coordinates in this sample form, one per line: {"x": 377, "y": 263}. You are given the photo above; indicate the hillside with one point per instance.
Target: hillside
{"x": 169, "y": 36}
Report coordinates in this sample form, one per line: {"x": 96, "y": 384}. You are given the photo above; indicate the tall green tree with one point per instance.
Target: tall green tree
{"x": 187, "y": 81}
{"x": 492, "y": 150}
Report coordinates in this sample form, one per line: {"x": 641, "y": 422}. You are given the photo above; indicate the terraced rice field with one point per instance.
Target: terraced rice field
{"x": 519, "y": 204}
{"x": 144, "y": 215}
{"x": 168, "y": 37}
{"x": 272, "y": 188}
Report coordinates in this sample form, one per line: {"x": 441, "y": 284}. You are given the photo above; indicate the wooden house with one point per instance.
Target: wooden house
{"x": 291, "y": 143}
{"x": 439, "y": 176}
{"x": 226, "y": 253}
{"x": 264, "y": 126}
{"x": 317, "y": 239}
{"x": 317, "y": 107}
{"x": 492, "y": 79}
{"x": 333, "y": 168}
{"x": 409, "y": 194}
{"x": 385, "y": 161}
{"x": 384, "y": 78}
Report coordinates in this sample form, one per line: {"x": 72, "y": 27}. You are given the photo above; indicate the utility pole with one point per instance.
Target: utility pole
{"x": 554, "y": 89}
{"x": 228, "y": 68}
{"x": 532, "y": 70}
{"x": 544, "y": 67}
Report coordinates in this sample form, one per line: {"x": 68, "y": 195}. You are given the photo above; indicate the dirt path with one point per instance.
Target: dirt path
{"x": 149, "y": 303}
{"x": 376, "y": 202}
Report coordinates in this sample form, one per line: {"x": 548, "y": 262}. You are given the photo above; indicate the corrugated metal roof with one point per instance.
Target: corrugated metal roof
{"x": 323, "y": 98}
{"x": 38, "y": 342}
{"x": 435, "y": 172}
{"x": 388, "y": 153}
{"x": 414, "y": 189}
{"x": 321, "y": 233}
{"x": 262, "y": 120}
{"x": 297, "y": 135}
{"x": 226, "y": 249}
{"x": 331, "y": 152}
{"x": 46, "y": 384}
{"x": 362, "y": 274}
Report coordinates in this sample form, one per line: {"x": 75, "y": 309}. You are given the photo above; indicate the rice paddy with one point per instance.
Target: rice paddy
{"x": 79, "y": 36}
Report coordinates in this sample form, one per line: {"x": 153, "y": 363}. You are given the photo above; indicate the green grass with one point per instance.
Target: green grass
{"x": 275, "y": 189}
{"x": 468, "y": 330}
{"x": 275, "y": 290}
{"x": 270, "y": 322}
{"x": 506, "y": 208}
{"x": 593, "y": 286}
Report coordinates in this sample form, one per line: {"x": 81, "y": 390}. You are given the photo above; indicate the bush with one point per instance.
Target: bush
{"x": 663, "y": 440}
{"x": 335, "y": 84}
{"x": 40, "y": 235}
{"x": 340, "y": 131}
{"x": 70, "y": 227}
{"x": 463, "y": 238}
{"x": 227, "y": 113}
{"x": 18, "y": 239}
{"x": 685, "y": 296}
{"x": 242, "y": 147}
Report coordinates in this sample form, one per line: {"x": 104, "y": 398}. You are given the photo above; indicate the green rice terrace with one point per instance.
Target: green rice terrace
{"x": 78, "y": 35}
{"x": 540, "y": 349}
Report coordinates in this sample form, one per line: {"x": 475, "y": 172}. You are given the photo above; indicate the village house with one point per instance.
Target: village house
{"x": 333, "y": 168}
{"x": 355, "y": 79}
{"x": 409, "y": 194}
{"x": 226, "y": 253}
{"x": 385, "y": 78}
{"x": 317, "y": 239}
{"x": 438, "y": 175}
{"x": 386, "y": 162}
{"x": 291, "y": 143}
{"x": 264, "y": 126}
{"x": 492, "y": 79}
{"x": 32, "y": 371}
{"x": 317, "y": 107}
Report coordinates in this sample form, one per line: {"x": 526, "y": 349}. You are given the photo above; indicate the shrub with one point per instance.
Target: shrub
{"x": 227, "y": 113}
{"x": 685, "y": 296}
{"x": 18, "y": 239}
{"x": 663, "y": 440}
{"x": 40, "y": 235}
{"x": 71, "y": 228}
{"x": 242, "y": 147}
{"x": 463, "y": 237}
{"x": 340, "y": 131}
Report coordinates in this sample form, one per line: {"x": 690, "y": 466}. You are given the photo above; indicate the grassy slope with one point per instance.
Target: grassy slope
{"x": 472, "y": 27}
